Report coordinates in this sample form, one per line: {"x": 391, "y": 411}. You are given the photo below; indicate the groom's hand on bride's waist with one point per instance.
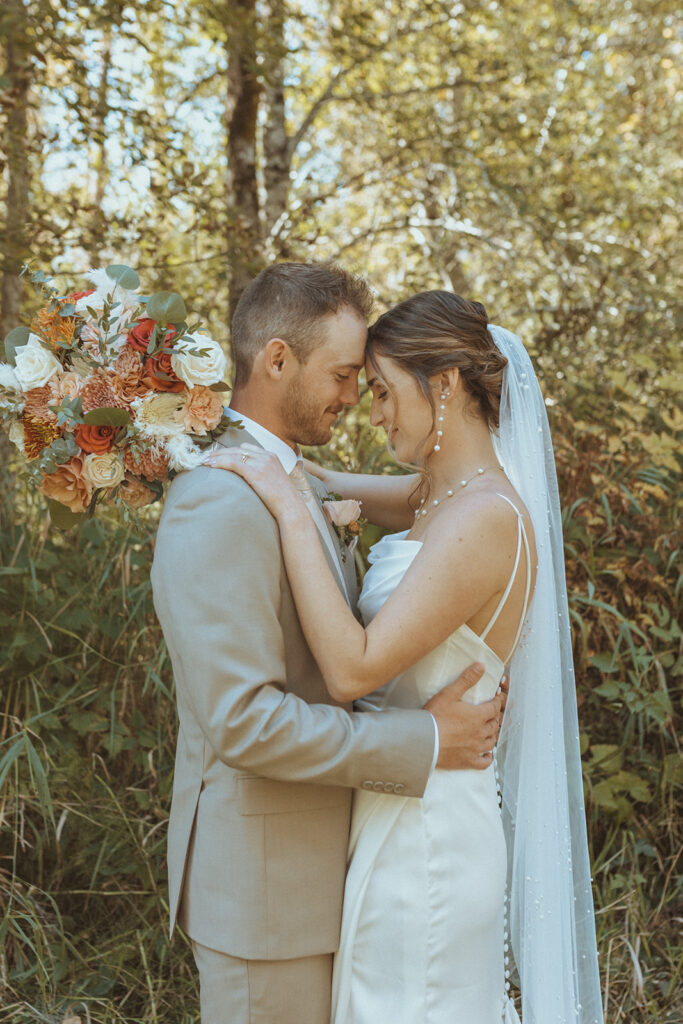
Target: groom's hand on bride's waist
{"x": 467, "y": 732}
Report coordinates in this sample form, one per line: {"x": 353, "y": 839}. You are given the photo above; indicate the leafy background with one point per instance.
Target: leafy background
{"x": 522, "y": 152}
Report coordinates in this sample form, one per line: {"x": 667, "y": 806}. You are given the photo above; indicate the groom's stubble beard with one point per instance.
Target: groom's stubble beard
{"x": 305, "y": 421}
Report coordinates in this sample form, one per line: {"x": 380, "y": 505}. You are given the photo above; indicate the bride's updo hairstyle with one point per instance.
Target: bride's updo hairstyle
{"x": 436, "y": 331}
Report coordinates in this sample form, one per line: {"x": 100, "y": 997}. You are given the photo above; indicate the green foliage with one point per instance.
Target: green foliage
{"x": 166, "y": 308}
{"x": 87, "y": 735}
{"x": 14, "y": 340}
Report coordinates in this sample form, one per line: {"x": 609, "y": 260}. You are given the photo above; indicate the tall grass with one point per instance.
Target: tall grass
{"x": 87, "y": 734}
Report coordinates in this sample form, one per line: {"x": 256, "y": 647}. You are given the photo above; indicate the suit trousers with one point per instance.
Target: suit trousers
{"x": 235, "y": 991}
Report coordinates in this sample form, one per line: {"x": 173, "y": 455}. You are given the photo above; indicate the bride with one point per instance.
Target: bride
{"x": 485, "y": 881}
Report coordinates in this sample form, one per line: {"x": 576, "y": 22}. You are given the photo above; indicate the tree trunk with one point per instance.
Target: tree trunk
{"x": 98, "y": 221}
{"x": 244, "y": 241}
{"x": 14, "y": 235}
{"x": 277, "y": 148}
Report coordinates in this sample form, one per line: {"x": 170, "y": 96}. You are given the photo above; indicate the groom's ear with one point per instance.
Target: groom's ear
{"x": 276, "y": 355}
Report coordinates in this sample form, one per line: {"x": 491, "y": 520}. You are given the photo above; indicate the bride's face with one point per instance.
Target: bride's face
{"x": 399, "y": 406}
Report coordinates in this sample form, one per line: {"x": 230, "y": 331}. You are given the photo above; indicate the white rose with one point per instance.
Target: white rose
{"x": 105, "y": 470}
{"x": 16, "y": 434}
{"x": 8, "y": 378}
{"x": 35, "y": 365}
{"x": 159, "y": 415}
{"x": 183, "y": 453}
{"x": 194, "y": 369}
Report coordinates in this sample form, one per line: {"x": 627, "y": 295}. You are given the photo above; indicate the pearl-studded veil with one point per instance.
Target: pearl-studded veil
{"x": 550, "y": 903}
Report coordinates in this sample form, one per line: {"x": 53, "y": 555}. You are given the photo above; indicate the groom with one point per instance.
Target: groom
{"x": 266, "y": 762}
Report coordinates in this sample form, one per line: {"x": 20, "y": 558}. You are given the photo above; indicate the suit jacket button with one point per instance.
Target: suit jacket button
{"x": 378, "y": 787}
{"x": 399, "y": 787}
{"x": 367, "y": 784}
{"x": 388, "y": 787}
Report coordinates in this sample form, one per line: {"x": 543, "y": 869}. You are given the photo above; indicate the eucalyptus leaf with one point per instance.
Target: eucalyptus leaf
{"x": 14, "y": 340}
{"x": 68, "y": 310}
{"x": 220, "y": 385}
{"x": 166, "y": 308}
{"x": 107, "y": 416}
{"x": 124, "y": 276}
{"x": 62, "y": 517}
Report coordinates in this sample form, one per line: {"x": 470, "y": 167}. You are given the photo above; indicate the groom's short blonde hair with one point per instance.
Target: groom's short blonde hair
{"x": 288, "y": 301}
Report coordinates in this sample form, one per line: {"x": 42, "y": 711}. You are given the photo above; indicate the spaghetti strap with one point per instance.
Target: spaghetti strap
{"x": 521, "y": 539}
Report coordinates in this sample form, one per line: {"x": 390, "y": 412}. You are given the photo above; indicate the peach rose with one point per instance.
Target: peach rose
{"x": 202, "y": 410}
{"x": 105, "y": 470}
{"x": 68, "y": 485}
{"x": 342, "y": 513}
{"x": 66, "y": 386}
{"x": 135, "y": 492}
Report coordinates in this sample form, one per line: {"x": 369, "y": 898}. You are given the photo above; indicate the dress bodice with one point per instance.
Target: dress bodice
{"x": 389, "y": 560}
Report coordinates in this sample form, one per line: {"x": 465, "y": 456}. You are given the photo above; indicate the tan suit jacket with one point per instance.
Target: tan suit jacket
{"x": 266, "y": 763}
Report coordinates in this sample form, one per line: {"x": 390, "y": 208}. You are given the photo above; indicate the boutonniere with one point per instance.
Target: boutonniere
{"x": 346, "y": 518}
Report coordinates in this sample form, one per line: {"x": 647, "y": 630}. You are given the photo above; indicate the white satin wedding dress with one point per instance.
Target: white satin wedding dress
{"x": 424, "y": 940}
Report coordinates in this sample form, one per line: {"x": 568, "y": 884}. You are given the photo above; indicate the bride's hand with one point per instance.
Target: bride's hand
{"x": 263, "y": 472}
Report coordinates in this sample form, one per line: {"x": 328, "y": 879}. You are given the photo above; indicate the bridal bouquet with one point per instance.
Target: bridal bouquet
{"x": 108, "y": 393}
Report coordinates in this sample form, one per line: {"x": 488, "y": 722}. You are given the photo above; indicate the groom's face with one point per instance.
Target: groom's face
{"x": 327, "y": 382}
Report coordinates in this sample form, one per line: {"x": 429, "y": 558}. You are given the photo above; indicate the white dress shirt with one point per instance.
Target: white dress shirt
{"x": 289, "y": 458}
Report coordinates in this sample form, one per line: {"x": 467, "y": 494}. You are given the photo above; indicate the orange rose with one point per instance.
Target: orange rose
{"x": 68, "y": 486}
{"x": 158, "y": 374}
{"x": 202, "y": 411}
{"x": 139, "y": 335}
{"x": 90, "y": 438}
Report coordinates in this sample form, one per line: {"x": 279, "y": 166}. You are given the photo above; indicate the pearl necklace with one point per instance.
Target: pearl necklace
{"x": 420, "y": 511}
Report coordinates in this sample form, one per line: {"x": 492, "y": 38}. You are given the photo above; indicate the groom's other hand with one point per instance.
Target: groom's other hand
{"x": 467, "y": 732}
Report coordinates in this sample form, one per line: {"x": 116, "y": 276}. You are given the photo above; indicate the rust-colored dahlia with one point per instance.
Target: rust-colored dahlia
{"x": 128, "y": 363}
{"x": 136, "y": 493}
{"x": 56, "y": 330}
{"x": 39, "y": 433}
{"x": 127, "y": 378}
{"x": 98, "y": 393}
{"x": 151, "y": 463}
{"x": 36, "y": 403}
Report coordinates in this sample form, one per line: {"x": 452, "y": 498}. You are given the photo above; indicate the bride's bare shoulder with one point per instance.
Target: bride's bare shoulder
{"x": 473, "y": 515}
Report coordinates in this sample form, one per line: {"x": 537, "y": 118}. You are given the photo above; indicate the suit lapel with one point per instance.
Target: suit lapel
{"x": 233, "y": 437}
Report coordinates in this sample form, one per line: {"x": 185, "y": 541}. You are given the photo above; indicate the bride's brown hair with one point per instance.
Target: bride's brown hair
{"x": 436, "y": 331}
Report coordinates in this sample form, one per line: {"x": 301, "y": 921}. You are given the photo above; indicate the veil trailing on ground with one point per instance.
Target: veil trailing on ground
{"x": 550, "y": 903}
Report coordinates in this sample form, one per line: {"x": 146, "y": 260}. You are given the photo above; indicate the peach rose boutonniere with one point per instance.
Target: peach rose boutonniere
{"x": 345, "y": 516}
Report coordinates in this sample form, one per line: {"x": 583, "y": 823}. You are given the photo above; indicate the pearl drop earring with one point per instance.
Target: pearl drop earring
{"x": 439, "y": 431}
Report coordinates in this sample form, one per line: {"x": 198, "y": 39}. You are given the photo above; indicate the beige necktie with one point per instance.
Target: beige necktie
{"x": 298, "y": 478}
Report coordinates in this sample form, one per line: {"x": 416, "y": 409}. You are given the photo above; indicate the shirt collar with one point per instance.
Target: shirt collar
{"x": 271, "y": 442}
